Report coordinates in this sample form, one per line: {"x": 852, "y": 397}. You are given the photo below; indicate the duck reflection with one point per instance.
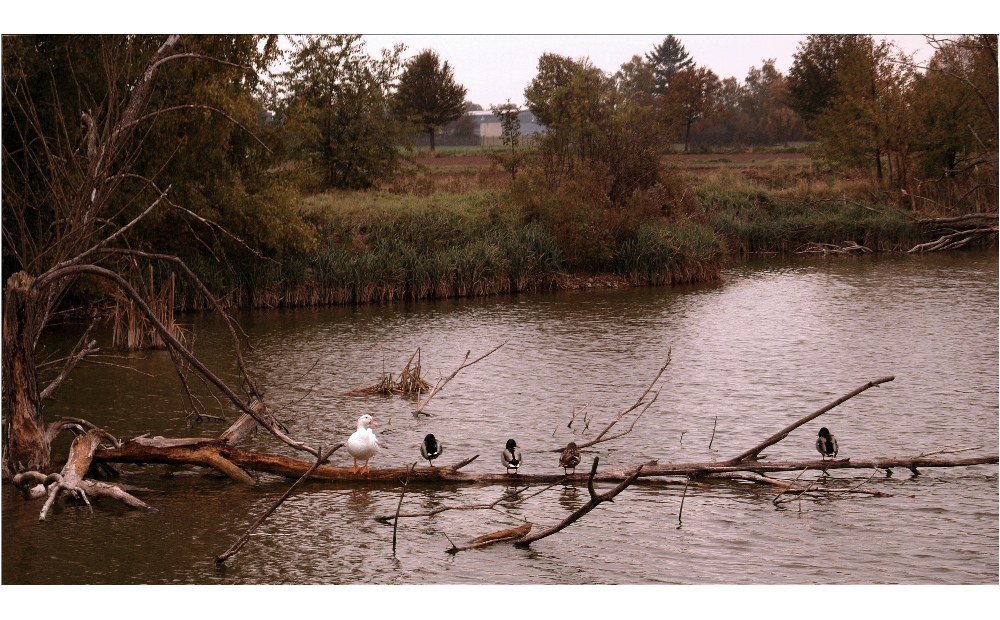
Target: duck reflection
{"x": 570, "y": 498}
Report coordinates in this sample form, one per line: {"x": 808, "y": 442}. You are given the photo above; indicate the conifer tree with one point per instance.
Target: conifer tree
{"x": 668, "y": 58}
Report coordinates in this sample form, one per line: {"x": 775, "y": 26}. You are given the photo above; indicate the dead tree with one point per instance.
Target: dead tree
{"x": 76, "y": 186}
{"x": 956, "y": 232}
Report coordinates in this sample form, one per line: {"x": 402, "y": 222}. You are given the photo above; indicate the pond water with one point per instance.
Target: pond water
{"x": 771, "y": 342}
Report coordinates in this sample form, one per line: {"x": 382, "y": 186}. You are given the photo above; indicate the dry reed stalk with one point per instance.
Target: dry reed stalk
{"x": 132, "y": 331}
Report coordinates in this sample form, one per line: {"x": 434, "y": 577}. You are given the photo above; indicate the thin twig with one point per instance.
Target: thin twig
{"x": 243, "y": 539}
{"x": 395, "y": 524}
{"x": 600, "y": 436}
{"x": 681, "y": 511}
{"x": 713, "y": 432}
{"x": 789, "y": 487}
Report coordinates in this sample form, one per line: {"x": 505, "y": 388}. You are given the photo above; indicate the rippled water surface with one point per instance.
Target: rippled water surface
{"x": 768, "y": 344}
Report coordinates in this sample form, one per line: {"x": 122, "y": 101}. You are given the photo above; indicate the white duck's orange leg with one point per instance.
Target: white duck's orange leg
{"x": 365, "y": 469}
{"x": 354, "y": 469}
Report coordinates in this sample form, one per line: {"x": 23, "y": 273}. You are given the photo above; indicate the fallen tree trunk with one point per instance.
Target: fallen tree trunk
{"x": 212, "y": 452}
{"x": 230, "y": 459}
{"x": 234, "y": 462}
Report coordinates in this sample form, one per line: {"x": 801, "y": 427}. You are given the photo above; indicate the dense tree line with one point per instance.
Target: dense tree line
{"x": 914, "y": 127}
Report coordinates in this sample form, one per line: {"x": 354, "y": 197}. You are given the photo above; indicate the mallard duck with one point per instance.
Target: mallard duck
{"x": 431, "y": 448}
{"x": 570, "y": 457}
{"x": 826, "y": 443}
{"x": 363, "y": 444}
{"x": 511, "y": 456}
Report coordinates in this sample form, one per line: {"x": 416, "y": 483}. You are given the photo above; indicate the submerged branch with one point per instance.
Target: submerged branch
{"x": 595, "y": 500}
{"x": 246, "y": 536}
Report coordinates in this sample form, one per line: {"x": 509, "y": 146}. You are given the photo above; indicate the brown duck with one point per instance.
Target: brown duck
{"x": 570, "y": 457}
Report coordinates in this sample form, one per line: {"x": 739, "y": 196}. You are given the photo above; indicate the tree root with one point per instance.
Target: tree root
{"x": 70, "y": 481}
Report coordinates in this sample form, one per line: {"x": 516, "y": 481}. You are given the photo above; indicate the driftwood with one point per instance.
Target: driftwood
{"x": 71, "y": 481}
{"x": 957, "y": 232}
{"x": 514, "y": 533}
{"x": 847, "y": 247}
{"x": 443, "y": 382}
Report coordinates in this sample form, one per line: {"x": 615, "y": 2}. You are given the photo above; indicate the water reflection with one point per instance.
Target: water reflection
{"x": 569, "y": 498}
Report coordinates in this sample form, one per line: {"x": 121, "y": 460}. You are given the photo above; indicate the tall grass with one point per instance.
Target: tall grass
{"x": 381, "y": 246}
{"x": 786, "y": 210}
{"x": 411, "y": 244}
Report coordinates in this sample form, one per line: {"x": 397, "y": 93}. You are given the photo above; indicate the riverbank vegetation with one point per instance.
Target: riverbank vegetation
{"x": 303, "y": 187}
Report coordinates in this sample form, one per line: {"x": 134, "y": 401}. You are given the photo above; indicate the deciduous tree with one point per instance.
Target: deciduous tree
{"x": 693, "y": 97}
{"x": 73, "y": 201}
{"x": 868, "y": 123}
{"x": 812, "y": 79}
{"x": 333, "y": 105}
{"x": 510, "y": 133}
{"x": 428, "y": 95}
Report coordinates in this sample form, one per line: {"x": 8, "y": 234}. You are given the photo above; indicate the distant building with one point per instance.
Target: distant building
{"x": 490, "y": 131}
{"x": 478, "y": 128}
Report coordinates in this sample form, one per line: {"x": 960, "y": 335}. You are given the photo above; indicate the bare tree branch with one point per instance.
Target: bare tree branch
{"x": 600, "y": 436}
{"x": 82, "y": 349}
{"x": 320, "y": 459}
{"x": 752, "y": 453}
{"x": 595, "y": 500}
{"x": 440, "y": 385}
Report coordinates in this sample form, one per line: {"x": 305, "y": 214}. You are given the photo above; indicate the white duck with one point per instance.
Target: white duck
{"x": 363, "y": 444}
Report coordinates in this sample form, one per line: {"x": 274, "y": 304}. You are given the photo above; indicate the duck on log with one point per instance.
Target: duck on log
{"x": 234, "y": 461}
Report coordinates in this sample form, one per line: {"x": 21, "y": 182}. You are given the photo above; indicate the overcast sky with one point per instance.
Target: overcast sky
{"x": 497, "y": 67}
